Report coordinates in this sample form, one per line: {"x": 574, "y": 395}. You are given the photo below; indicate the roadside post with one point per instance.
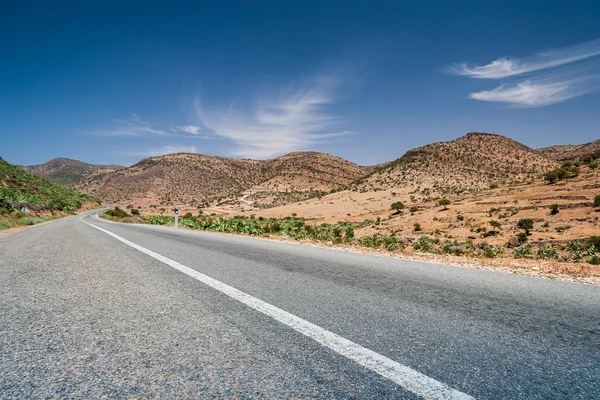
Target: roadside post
{"x": 176, "y": 209}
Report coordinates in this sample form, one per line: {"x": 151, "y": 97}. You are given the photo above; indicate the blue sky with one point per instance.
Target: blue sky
{"x": 108, "y": 82}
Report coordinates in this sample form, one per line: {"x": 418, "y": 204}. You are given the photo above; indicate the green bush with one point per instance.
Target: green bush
{"x": 117, "y": 213}
{"x": 597, "y": 200}
{"x": 526, "y": 224}
{"x": 424, "y": 244}
{"x": 490, "y": 252}
{"x": 554, "y": 209}
{"x": 366, "y": 241}
{"x": 417, "y": 227}
{"x": 523, "y": 252}
{"x": 398, "y": 206}
{"x": 594, "y": 241}
{"x": 594, "y": 260}
{"x": 546, "y": 252}
{"x": 522, "y": 237}
{"x": 6, "y": 224}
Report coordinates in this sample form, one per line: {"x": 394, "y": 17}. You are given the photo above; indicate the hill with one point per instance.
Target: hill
{"x": 65, "y": 171}
{"x": 202, "y": 180}
{"x": 563, "y": 153}
{"x": 19, "y": 187}
{"x": 472, "y": 162}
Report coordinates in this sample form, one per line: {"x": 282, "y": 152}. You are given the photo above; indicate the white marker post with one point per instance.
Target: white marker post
{"x": 176, "y": 209}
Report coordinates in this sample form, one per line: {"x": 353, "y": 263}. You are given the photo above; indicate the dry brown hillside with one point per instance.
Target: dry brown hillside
{"x": 200, "y": 180}
{"x": 472, "y": 162}
{"x": 69, "y": 172}
{"x": 563, "y": 153}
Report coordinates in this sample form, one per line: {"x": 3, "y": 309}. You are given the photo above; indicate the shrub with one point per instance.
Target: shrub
{"x": 546, "y": 252}
{"x": 522, "y": 237}
{"x": 494, "y": 186}
{"x": 398, "y": 206}
{"x": 187, "y": 215}
{"x": 594, "y": 241}
{"x": 349, "y": 233}
{"x": 593, "y": 165}
{"x": 444, "y": 202}
{"x": 523, "y": 252}
{"x": 597, "y": 200}
{"x": 490, "y": 252}
{"x": 417, "y": 227}
{"x": 366, "y": 241}
{"x": 424, "y": 244}
{"x": 577, "y": 251}
{"x": 526, "y": 224}
{"x": 6, "y": 224}
{"x": 414, "y": 209}
{"x": 460, "y": 217}
{"x": 495, "y": 224}
{"x": 135, "y": 211}
{"x": 554, "y": 209}
{"x": 117, "y": 213}
{"x": 594, "y": 260}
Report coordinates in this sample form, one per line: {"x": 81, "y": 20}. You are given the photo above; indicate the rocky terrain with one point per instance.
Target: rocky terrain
{"x": 564, "y": 153}
{"x": 71, "y": 173}
{"x": 200, "y": 181}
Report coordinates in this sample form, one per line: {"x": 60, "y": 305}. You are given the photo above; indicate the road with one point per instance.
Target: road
{"x": 146, "y": 311}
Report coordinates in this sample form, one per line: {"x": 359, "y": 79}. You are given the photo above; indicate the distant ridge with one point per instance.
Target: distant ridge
{"x": 201, "y": 180}
{"x": 66, "y": 171}
{"x": 576, "y": 152}
{"x": 471, "y": 162}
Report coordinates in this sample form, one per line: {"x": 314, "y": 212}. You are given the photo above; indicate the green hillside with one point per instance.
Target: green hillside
{"x": 19, "y": 187}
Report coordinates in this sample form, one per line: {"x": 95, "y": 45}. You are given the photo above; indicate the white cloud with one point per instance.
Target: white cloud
{"x": 541, "y": 80}
{"x": 191, "y": 129}
{"x": 505, "y": 67}
{"x": 169, "y": 149}
{"x": 277, "y": 125}
{"x": 134, "y": 126}
{"x": 529, "y": 94}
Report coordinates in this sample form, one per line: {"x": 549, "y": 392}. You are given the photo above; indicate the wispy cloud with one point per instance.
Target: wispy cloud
{"x": 191, "y": 129}
{"x": 277, "y": 125}
{"x": 170, "y": 149}
{"x": 505, "y": 67}
{"x": 540, "y": 80}
{"x": 133, "y": 126}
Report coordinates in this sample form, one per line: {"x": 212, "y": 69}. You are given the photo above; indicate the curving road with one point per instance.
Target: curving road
{"x": 145, "y": 311}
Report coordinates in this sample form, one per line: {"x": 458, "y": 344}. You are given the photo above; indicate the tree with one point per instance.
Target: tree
{"x": 444, "y": 202}
{"x": 526, "y": 224}
{"x": 597, "y": 201}
{"x": 398, "y": 206}
{"x": 495, "y": 224}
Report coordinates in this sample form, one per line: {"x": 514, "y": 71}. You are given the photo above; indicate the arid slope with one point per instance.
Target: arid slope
{"x": 65, "y": 171}
{"x": 196, "y": 180}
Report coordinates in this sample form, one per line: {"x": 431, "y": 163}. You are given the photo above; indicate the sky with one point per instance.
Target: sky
{"x": 113, "y": 82}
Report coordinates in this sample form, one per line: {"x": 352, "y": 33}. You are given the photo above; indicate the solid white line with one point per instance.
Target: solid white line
{"x": 411, "y": 380}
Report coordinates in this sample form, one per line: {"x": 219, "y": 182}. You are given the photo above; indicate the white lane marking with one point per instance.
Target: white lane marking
{"x": 411, "y": 380}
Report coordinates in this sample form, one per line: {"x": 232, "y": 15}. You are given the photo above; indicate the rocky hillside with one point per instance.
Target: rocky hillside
{"x": 579, "y": 152}
{"x": 19, "y": 187}
{"x": 472, "y": 162}
{"x": 201, "y": 180}
{"x": 69, "y": 172}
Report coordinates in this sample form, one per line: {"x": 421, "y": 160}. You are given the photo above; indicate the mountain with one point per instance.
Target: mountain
{"x": 69, "y": 172}
{"x": 202, "y": 180}
{"x": 472, "y": 162}
{"x": 19, "y": 187}
{"x": 579, "y": 152}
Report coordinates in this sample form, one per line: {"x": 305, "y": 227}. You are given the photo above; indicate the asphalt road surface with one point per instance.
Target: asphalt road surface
{"x": 154, "y": 312}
